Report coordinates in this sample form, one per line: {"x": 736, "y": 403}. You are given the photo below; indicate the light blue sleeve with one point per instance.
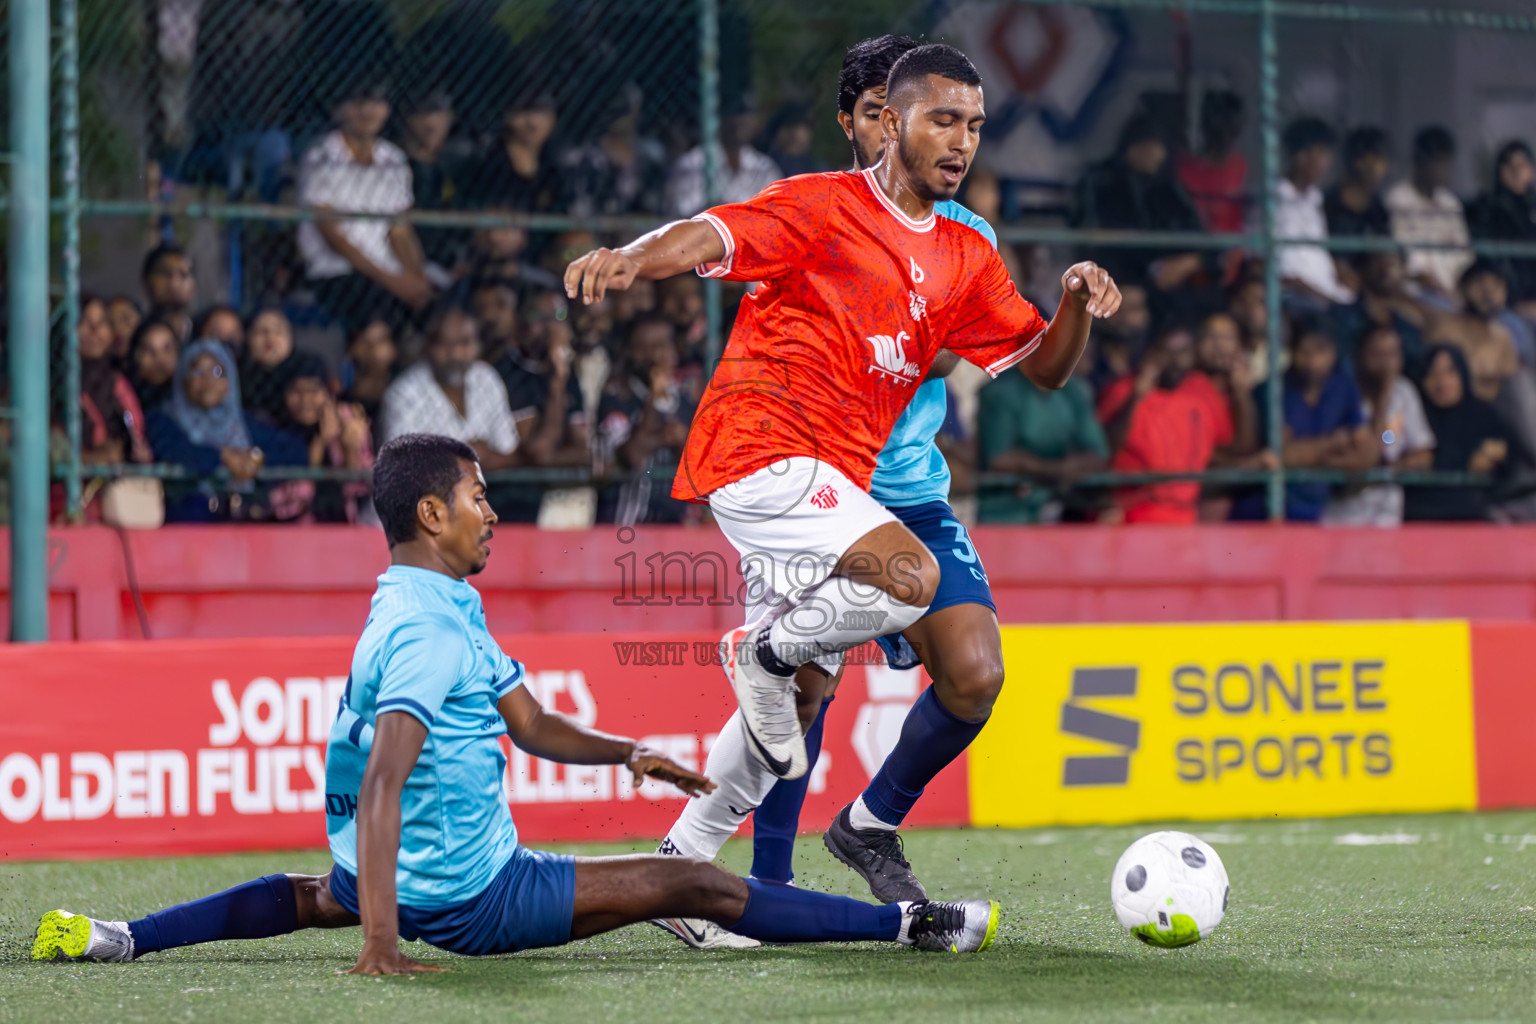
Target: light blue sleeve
{"x": 424, "y": 657}
{"x": 960, "y": 215}
{"x": 509, "y": 674}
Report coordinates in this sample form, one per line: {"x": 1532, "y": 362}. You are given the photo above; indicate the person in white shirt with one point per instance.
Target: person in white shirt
{"x": 1308, "y": 272}
{"x": 1393, "y": 410}
{"x": 361, "y": 268}
{"x": 743, "y": 171}
{"x": 1424, "y": 210}
{"x": 453, "y": 393}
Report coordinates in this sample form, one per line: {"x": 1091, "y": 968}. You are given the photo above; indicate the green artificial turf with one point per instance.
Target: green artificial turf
{"x": 1383, "y": 918}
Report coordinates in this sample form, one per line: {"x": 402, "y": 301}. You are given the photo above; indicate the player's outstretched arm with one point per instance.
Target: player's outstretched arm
{"x": 555, "y": 737}
{"x": 1087, "y": 292}
{"x": 397, "y": 742}
{"x": 669, "y": 250}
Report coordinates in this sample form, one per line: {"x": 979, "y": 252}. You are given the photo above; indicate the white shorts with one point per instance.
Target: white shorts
{"x": 791, "y": 522}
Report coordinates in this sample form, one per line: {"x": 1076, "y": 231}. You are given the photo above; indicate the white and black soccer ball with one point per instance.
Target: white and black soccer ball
{"x": 1169, "y": 889}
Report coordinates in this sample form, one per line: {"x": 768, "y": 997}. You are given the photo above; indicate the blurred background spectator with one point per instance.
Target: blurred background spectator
{"x": 1506, "y": 212}
{"x": 1424, "y": 210}
{"x": 204, "y": 428}
{"x": 1470, "y": 437}
{"x": 1164, "y": 418}
{"x": 1391, "y": 408}
{"x": 152, "y": 357}
{"x": 744, "y": 170}
{"x": 454, "y": 393}
{"x": 1214, "y": 177}
{"x": 642, "y": 423}
{"x": 1308, "y": 272}
{"x": 361, "y": 267}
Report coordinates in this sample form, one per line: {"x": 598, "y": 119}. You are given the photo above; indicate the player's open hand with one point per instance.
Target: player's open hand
{"x": 590, "y": 276}
{"x": 1093, "y": 288}
{"x": 646, "y": 761}
{"x": 389, "y": 960}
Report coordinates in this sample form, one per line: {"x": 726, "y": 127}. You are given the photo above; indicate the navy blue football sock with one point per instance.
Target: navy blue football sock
{"x": 931, "y": 738}
{"x": 777, "y": 819}
{"x": 782, "y": 913}
{"x": 257, "y": 909}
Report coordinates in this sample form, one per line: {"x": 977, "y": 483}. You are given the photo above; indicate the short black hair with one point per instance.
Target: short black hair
{"x": 1305, "y": 132}
{"x": 867, "y": 65}
{"x": 409, "y": 468}
{"x": 1310, "y": 325}
{"x": 441, "y": 314}
{"x": 1220, "y": 107}
{"x": 931, "y": 59}
{"x": 1483, "y": 267}
{"x": 200, "y": 325}
{"x": 158, "y": 254}
{"x": 1434, "y": 142}
{"x": 1367, "y": 140}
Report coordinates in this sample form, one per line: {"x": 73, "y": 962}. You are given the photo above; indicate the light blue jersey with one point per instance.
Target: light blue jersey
{"x": 425, "y": 651}
{"x": 910, "y": 469}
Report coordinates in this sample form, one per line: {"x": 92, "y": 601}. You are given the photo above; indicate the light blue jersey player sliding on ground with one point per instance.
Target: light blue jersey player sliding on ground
{"x": 420, "y": 832}
{"x": 957, "y": 641}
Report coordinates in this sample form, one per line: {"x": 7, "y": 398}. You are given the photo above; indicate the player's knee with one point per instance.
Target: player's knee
{"x": 316, "y": 906}
{"x": 969, "y": 683}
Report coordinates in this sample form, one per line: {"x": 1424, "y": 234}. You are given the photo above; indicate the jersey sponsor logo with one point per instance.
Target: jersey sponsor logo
{"x": 890, "y": 357}
{"x": 917, "y": 271}
{"x": 825, "y": 498}
{"x": 917, "y": 305}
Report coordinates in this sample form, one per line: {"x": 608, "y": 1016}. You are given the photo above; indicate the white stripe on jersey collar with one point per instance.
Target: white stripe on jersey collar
{"x": 916, "y": 225}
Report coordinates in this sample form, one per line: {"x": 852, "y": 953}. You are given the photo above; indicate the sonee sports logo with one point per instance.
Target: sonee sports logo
{"x": 1091, "y": 724}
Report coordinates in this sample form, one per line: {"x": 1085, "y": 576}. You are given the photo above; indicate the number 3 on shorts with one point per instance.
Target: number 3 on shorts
{"x": 965, "y": 551}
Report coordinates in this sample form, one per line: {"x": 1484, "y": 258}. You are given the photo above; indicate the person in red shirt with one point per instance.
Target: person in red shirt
{"x": 861, "y": 286}
{"x": 1215, "y": 176}
{"x": 1166, "y": 418}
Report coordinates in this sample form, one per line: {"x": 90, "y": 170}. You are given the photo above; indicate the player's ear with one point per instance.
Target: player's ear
{"x": 890, "y": 124}
{"x": 432, "y": 515}
{"x": 845, "y": 120}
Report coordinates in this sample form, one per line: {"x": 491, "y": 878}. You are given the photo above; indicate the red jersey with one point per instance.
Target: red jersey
{"x": 1170, "y": 432}
{"x": 854, "y": 302}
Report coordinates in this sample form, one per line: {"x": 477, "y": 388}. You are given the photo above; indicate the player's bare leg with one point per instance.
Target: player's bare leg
{"x": 615, "y": 891}
{"x": 260, "y": 908}
{"x": 961, "y": 648}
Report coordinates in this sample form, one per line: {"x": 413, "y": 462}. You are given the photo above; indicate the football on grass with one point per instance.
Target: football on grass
{"x": 1169, "y": 889}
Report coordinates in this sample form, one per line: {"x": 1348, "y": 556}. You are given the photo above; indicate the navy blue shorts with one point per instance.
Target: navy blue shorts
{"x": 530, "y": 903}
{"x": 962, "y": 578}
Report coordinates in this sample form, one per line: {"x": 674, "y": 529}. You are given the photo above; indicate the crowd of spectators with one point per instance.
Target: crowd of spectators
{"x": 1412, "y": 356}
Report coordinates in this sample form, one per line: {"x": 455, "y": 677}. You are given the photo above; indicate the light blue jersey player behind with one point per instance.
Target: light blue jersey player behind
{"x": 423, "y": 843}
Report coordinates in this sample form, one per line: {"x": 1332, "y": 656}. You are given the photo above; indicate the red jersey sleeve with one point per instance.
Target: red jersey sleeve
{"x": 996, "y": 327}
{"x": 771, "y": 233}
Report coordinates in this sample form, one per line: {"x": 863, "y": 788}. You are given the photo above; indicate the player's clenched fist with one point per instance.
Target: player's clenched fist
{"x": 1092, "y": 287}
{"x": 591, "y": 276}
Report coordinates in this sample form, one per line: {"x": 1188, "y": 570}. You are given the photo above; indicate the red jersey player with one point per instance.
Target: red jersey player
{"x": 861, "y": 286}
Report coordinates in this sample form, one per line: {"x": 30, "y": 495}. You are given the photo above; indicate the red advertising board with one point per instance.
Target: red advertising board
{"x": 201, "y": 746}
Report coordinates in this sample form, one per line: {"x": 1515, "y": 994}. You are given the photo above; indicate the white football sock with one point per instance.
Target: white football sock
{"x": 838, "y": 615}
{"x": 743, "y": 783}
{"x": 860, "y": 816}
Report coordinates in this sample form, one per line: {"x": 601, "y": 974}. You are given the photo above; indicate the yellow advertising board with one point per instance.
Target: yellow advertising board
{"x": 1106, "y": 724}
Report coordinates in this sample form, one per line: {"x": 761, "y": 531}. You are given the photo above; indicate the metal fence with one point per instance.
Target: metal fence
{"x": 203, "y": 124}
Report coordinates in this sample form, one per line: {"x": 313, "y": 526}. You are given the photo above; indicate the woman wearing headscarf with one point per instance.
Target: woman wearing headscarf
{"x": 1470, "y": 436}
{"x": 1506, "y": 212}
{"x": 111, "y": 419}
{"x": 204, "y": 428}
{"x": 334, "y": 435}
